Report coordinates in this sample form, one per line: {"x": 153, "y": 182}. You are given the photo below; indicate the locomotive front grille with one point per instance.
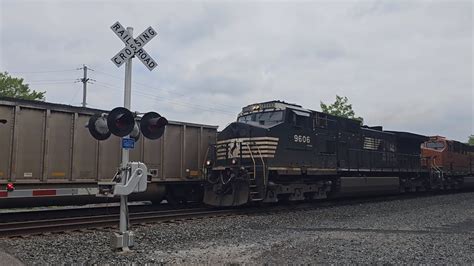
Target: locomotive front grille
{"x": 245, "y": 148}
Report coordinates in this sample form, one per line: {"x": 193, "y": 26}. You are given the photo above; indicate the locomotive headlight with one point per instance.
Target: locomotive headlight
{"x": 208, "y": 163}
{"x": 234, "y": 161}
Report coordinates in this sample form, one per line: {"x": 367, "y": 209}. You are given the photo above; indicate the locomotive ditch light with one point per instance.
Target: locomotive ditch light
{"x": 98, "y": 127}
{"x": 234, "y": 161}
{"x": 208, "y": 163}
{"x": 153, "y": 125}
{"x": 10, "y": 187}
{"x": 120, "y": 121}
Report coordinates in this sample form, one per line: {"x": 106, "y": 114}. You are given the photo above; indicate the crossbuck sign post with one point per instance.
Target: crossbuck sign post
{"x": 133, "y": 47}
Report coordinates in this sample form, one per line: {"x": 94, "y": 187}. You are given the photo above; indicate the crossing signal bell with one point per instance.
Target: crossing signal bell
{"x": 121, "y": 122}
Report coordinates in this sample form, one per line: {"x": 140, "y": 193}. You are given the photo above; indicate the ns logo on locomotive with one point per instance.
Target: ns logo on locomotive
{"x": 279, "y": 151}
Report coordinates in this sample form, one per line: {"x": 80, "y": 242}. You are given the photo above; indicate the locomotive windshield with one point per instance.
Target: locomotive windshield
{"x": 263, "y": 118}
{"x": 434, "y": 145}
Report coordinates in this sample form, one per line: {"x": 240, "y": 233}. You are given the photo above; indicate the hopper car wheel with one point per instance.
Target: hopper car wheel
{"x": 175, "y": 200}
{"x": 157, "y": 200}
{"x": 183, "y": 194}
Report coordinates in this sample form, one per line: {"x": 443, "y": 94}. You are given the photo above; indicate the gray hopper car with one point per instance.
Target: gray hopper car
{"x": 48, "y": 155}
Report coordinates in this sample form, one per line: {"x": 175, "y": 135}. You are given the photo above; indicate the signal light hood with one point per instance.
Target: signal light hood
{"x": 98, "y": 127}
{"x": 120, "y": 121}
{"x": 153, "y": 125}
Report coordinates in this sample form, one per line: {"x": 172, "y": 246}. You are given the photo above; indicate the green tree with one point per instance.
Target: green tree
{"x": 14, "y": 87}
{"x": 471, "y": 140}
{"x": 340, "y": 107}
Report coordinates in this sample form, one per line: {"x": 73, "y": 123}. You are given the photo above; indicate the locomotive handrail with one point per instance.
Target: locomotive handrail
{"x": 436, "y": 167}
{"x": 253, "y": 160}
{"x": 263, "y": 163}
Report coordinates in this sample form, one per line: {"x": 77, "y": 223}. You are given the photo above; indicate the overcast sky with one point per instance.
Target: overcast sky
{"x": 406, "y": 65}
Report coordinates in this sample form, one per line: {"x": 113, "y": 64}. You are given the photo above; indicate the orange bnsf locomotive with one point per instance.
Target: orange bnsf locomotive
{"x": 448, "y": 160}
{"x": 278, "y": 151}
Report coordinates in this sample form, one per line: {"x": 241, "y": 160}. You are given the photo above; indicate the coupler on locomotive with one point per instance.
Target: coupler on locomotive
{"x": 227, "y": 186}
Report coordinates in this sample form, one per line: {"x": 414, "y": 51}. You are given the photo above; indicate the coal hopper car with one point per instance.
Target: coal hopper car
{"x": 47, "y": 156}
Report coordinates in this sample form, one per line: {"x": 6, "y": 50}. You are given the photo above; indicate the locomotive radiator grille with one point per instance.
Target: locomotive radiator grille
{"x": 231, "y": 148}
{"x": 372, "y": 143}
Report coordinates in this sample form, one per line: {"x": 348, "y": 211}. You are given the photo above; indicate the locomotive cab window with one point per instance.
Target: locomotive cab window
{"x": 298, "y": 118}
{"x": 434, "y": 145}
{"x": 263, "y": 118}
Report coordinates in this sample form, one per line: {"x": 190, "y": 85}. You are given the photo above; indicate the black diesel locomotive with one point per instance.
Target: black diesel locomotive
{"x": 279, "y": 151}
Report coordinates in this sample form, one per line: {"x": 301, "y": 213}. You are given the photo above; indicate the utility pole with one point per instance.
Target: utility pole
{"x": 84, "y": 81}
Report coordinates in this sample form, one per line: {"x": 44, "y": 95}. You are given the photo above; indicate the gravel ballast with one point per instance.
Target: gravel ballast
{"x": 434, "y": 229}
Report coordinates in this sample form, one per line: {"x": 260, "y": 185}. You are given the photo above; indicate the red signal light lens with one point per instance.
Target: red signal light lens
{"x": 10, "y": 187}
{"x": 119, "y": 123}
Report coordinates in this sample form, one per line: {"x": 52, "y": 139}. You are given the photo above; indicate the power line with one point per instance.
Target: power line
{"x": 46, "y": 71}
{"x": 107, "y": 74}
{"x": 169, "y": 91}
{"x": 47, "y": 80}
{"x": 74, "y": 96}
{"x": 155, "y": 97}
{"x": 51, "y": 83}
{"x": 137, "y": 83}
{"x": 143, "y": 93}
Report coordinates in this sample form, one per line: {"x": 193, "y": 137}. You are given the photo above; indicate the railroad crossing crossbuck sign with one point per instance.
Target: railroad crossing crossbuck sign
{"x": 133, "y": 46}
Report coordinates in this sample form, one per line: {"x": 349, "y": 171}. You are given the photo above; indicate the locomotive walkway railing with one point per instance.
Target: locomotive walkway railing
{"x": 253, "y": 161}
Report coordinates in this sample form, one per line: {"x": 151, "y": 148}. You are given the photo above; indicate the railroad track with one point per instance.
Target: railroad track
{"x": 64, "y": 224}
{"x": 75, "y": 211}
{"x": 22, "y": 228}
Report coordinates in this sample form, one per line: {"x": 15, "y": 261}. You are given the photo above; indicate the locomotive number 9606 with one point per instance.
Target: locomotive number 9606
{"x": 302, "y": 139}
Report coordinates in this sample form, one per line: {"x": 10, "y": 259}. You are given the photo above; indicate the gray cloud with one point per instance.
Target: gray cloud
{"x": 406, "y": 65}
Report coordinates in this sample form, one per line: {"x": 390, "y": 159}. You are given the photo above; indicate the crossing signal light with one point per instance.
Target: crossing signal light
{"x": 120, "y": 121}
{"x": 98, "y": 127}
{"x": 153, "y": 125}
